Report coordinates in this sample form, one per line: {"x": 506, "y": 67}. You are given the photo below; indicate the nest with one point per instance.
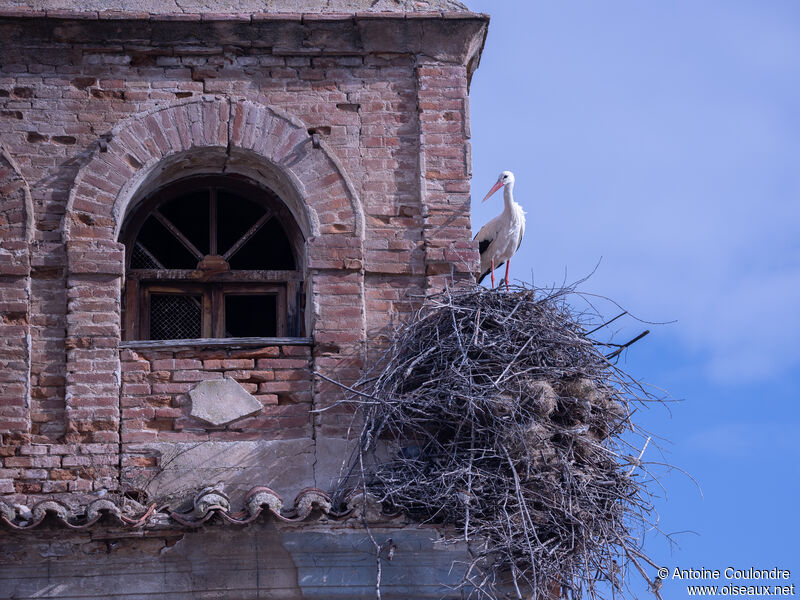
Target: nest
{"x": 496, "y": 414}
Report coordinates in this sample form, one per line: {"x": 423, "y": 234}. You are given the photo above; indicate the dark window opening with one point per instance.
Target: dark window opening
{"x": 235, "y": 216}
{"x": 189, "y": 213}
{"x": 141, "y": 258}
{"x": 268, "y": 247}
{"x": 251, "y": 315}
{"x": 212, "y": 257}
{"x": 163, "y": 247}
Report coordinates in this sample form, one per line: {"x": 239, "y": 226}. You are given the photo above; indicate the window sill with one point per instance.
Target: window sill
{"x": 241, "y": 342}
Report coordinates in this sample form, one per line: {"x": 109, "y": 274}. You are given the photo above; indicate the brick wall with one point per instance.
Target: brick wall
{"x": 155, "y": 385}
{"x": 359, "y": 123}
{"x": 156, "y": 407}
{"x": 14, "y": 298}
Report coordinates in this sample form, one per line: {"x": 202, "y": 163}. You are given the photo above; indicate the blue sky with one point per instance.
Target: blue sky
{"x": 664, "y": 139}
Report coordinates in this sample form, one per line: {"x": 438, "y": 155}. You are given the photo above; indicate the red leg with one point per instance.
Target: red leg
{"x": 492, "y": 273}
{"x": 508, "y": 264}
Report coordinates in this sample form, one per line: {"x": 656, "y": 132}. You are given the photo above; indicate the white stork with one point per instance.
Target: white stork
{"x": 500, "y": 238}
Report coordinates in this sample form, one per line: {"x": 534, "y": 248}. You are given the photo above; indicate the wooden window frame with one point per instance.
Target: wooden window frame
{"x": 212, "y": 320}
{"x": 146, "y": 291}
{"x": 286, "y": 284}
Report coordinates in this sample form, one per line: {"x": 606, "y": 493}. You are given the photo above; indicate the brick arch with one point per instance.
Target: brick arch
{"x": 208, "y": 135}
{"x": 16, "y": 209}
{"x": 16, "y": 229}
{"x": 213, "y": 135}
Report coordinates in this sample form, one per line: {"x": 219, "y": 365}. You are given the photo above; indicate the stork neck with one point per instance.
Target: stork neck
{"x": 508, "y": 195}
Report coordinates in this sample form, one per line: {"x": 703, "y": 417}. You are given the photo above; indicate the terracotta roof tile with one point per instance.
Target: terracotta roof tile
{"x": 210, "y": 503}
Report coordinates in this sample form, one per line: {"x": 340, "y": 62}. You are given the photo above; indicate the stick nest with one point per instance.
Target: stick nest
{"x": 497, "y": 414}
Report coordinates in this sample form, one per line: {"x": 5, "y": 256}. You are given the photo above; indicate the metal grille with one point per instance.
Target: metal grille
{"x": 175, "y": 317}
{"x": 142, "y": 259}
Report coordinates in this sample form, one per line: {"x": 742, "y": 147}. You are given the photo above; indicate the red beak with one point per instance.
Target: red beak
{"x": 496, "y": 187}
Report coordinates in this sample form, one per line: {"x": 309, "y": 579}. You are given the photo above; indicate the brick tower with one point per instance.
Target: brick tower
{"x": 207, "y": 211}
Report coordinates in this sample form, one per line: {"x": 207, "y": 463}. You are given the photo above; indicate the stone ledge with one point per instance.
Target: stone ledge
{"x": 227, "y": 343}
{"x": 32, "y": 13}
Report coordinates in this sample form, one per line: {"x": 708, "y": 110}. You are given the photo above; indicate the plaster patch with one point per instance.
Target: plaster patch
{"x": 284, "y": 466}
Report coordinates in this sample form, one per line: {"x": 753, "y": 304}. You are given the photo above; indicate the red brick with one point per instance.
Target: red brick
{"x": 18, "y": 461}
{"x": 240, "y": 363}
{"x": 61, "y": 474}
{"x": 194, "y": 375}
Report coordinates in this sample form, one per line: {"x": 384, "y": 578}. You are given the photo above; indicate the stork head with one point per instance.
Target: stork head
{"x": 505, "y": 178}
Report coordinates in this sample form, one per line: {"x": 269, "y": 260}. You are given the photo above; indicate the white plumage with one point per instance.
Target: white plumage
{"x": 500, "y": 238}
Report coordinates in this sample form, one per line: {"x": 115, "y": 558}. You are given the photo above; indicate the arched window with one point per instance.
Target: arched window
{"x": 212, "y": 257}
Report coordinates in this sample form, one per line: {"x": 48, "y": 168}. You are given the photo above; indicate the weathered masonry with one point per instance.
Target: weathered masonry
{"x": 202, "y": 216}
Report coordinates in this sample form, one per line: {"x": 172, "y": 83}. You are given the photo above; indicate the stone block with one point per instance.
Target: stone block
{"x": 221, "y": 401}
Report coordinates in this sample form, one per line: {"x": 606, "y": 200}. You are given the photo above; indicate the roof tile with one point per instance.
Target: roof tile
{"x": 207, "y": 504}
